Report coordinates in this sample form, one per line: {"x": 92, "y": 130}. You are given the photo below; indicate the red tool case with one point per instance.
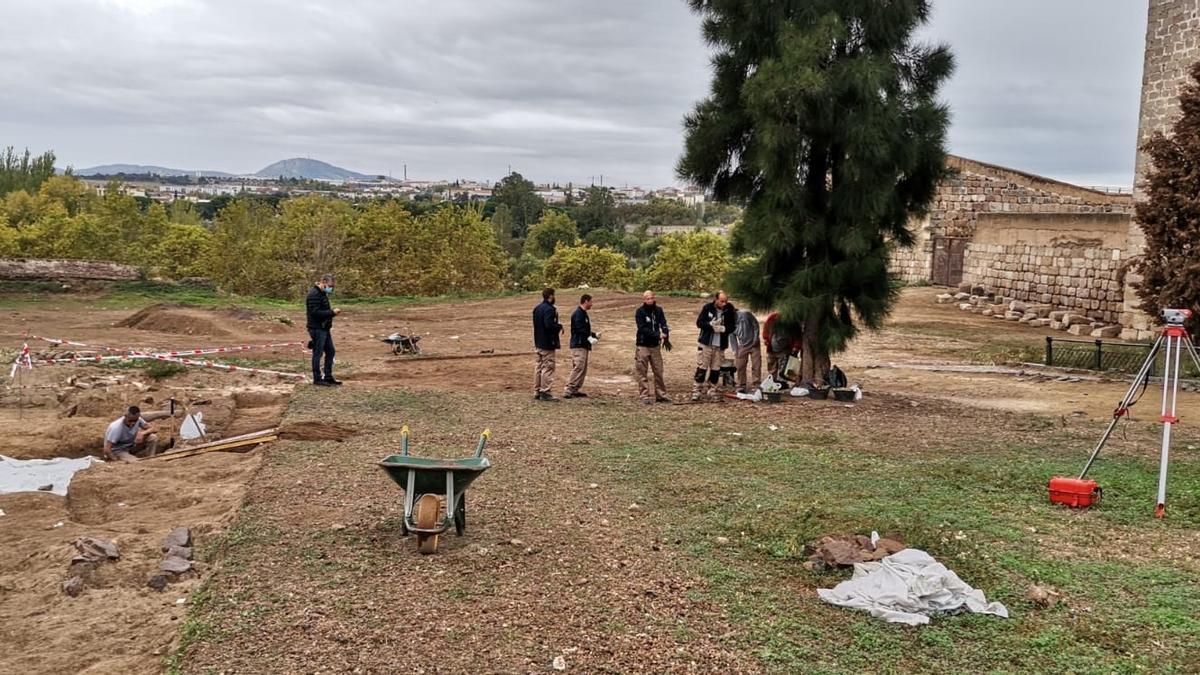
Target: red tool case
{"x": 1074, "y": 492}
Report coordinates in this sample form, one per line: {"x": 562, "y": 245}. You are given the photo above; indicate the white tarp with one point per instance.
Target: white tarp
{"x": 27, "y": 475}
{"x": 907, "y": 587}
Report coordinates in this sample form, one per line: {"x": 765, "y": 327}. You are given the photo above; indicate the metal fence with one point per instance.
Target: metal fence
{"x": 1121, "y": 357}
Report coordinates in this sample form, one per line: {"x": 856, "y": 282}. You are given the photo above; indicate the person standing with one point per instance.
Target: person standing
{"x": 582, "y": 339}
{"x": 717, "y": 320}
{"x": 780, "y": 345}
{"x": 653, "y": 335}
{"x": 747, "y": 352}
{"x": 320, "y": 326}
{"x": 546, "y": 341}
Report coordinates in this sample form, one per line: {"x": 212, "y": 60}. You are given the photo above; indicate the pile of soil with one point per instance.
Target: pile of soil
{"x": 176, "y": 319}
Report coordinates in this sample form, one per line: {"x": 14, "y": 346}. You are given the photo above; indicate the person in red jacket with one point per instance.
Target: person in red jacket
{"x": 779, "y": 346}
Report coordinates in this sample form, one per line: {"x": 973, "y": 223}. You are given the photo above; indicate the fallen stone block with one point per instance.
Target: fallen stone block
{"x": 1017, "y": 306}
{"x": 1013, "y": 316}
{"x": 987, "y": 312}
{"x": 962, "y": 296}
{"x": 180, "y": 536}
{"x": 1080, "y": 329}
{"x": 966, "y": 306}
{"x": 1057, "y": 315}
{"x": 945, "y": 299}
{"x": 175, "y": 565}
{"x": 1107, "y": 332}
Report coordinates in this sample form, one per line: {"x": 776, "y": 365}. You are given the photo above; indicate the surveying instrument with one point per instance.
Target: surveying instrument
{"x": 1173, "y": 342}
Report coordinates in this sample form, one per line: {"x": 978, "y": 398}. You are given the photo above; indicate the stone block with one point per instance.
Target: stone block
{"x": 987, "y": 311}
{"x": 945, "y": 299}
{"x": 965, "y": 306}
{"x": 1057, "y": 316}
{"x": 1017, "y": 306}
{"x": 1080, "y": 329}
{"x": 962, "y": 296}
{"x": 1107, "y": 332}
{"x": 1013, "y": 316}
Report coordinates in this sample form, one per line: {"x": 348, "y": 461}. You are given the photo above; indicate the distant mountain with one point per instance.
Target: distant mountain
{"x": 312, "y": 169}
{"x": 113, "y": 169}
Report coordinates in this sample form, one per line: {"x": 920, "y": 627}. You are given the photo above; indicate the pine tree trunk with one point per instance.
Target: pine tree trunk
{"x": 814, "y": 364}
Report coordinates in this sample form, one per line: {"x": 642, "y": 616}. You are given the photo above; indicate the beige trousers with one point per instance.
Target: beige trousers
{"x": 579, "y": 366}
{"x": 752, "y": 357}
{"x": 709, "y": 360}
{"x": 144, "y": 446}
{"x": 543, "y": 372}
{"x": 647, "y": 359}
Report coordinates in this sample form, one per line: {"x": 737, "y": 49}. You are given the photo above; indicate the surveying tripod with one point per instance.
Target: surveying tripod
{"x": 1175, "y": 340}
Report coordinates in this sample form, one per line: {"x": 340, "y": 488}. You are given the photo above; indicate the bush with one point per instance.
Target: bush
{"x": 553, "y": 229}
{"x": 590, "y": 265}
{"x": 697, "y": 261}
{"x": 526, "y": 273}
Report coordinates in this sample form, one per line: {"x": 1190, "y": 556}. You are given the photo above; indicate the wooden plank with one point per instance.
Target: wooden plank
{"x": 231, "y": 443}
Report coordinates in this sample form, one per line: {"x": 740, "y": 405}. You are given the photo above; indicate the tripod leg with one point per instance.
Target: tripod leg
{"x": 1123, "y": 406}
{"x": 1169, "y": 419}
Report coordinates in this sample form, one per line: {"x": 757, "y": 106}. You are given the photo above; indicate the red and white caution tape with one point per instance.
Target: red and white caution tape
{"x": 57, "y": 341}
{"x": 23, "y": 360}
{"x": 226, "y": 350}
{"x": 220, "y": 366}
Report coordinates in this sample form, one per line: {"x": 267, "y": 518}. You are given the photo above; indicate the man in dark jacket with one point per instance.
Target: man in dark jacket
{"x": 320, "y": 323}
{"x": 582, "y": 339}
{"x": 546, "y": 332}
{"x": 653, "y": 334}
{"x": 717, "y": 321}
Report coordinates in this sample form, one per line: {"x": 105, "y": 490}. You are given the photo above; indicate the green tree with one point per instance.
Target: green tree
{"x": 823, "y": 121}
{"x": 24, "y": 172}
{"x": 597, "y": 212}
{"x": 1170, "y": 215}
{"x": 502, "y": 225}
{"x": 183, "y": 251}
{"x": 572, "y": 266}
{"x": 553, "y": 229}
{"x": 523, "y": 203}
{"x": 239, "y": 229}
{"x": 696, "y": 261}
{"x": 603, "y": 239}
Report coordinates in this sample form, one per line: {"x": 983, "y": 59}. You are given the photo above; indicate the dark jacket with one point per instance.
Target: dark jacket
{"x": 546, "y": 327}
{"x": 651, "y": 325}
{"x": 581, "y": 329}
{"x": 319, "y": 311}
{"x": 708, "y": 314}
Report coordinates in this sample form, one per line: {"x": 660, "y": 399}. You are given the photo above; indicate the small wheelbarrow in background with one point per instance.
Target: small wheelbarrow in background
{"x": 423, "y": 479}
{"x": 404, "y": 344}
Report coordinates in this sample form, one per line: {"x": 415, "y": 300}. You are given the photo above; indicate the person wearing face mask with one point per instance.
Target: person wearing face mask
{"x": 547, "y": 332}
{"x": 320, "y": 324}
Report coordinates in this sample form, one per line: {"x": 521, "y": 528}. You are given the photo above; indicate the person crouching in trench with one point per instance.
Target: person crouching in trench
{"x": 130, "y": 437}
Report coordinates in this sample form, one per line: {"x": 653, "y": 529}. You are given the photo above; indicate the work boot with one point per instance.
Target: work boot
{"x": 664, "y": 399}
{"x": 578, "y": 394}
{"x": 332, "y": 381}
{"x": 695, "y": 396}
{"x": 322, "y": 383}
{"x": 547, "y": 397}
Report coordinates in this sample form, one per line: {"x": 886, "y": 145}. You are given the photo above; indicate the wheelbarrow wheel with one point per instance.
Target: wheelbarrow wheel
{"x": 460, "y": 516}
{"x": 426, "y": 512}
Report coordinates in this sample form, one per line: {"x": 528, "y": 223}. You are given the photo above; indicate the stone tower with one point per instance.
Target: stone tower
{"x": 1172, "y": 46}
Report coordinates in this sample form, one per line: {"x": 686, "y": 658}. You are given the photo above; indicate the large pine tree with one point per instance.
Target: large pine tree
{"x": 1170, "y": 214}
{"x": 823, "y": 121}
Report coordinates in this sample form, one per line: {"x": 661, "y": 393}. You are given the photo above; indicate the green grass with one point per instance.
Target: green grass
{"x": 981, "y": 511}
{"x": 126, "y": 295}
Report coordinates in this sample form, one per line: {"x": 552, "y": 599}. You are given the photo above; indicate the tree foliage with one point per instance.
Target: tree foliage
{"x": 823, "y": 122}
{"x": 572, "y": 266}
{"x": 24, "y": 172}
{"x": 696, "y": 261}
{"x": 597, "y": 212}
{"x": 1170, "y": 214}
{"x": 547, "y": 234}
{"x": 524, "y": 205}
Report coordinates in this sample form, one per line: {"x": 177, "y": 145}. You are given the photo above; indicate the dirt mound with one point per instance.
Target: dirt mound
{"x": 176, "y": 319}
{"x": 259, "y": 398}
{"x": 314, "y": 431}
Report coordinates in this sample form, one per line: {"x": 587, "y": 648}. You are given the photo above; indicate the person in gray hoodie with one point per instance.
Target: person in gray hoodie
{"x": 747, "y": 351}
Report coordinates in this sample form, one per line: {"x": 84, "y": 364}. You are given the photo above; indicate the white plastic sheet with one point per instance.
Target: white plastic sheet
{"x": 27, "y": 475}
{"x": 907, "y": 587}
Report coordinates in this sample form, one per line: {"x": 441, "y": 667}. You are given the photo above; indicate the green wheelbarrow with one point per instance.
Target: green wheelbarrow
{"x": 424, "y": 479}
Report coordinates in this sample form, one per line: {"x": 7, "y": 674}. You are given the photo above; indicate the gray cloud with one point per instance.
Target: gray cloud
{"x": 560, "y": 90}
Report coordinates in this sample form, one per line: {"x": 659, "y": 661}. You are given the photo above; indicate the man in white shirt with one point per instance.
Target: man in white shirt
{"x": 130, "y": 437}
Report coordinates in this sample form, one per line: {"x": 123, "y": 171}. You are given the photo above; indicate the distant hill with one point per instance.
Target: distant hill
{"x": 113, "y": 169}
{"x": 312, "y": 169}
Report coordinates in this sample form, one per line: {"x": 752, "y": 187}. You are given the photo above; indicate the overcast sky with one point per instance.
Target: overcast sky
{"x": 561, "y": 90}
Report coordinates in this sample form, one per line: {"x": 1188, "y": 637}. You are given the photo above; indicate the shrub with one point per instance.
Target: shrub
{"x": 553, "y": 229}
{"x": 590, "y": 265}
{"x": 697, "y": 261}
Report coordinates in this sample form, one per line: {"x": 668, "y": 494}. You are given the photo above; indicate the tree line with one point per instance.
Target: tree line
{"x": 273, "y": 246}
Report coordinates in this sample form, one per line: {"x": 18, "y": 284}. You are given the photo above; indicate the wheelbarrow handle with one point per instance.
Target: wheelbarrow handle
{"x": 483, "y": 439}
{"x": 404, "y": 440}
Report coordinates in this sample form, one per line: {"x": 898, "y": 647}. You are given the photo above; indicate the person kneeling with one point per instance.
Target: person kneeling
{"x": 130, "y": 437}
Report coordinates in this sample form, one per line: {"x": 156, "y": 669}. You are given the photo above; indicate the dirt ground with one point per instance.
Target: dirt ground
{"x": 315, "y": 494}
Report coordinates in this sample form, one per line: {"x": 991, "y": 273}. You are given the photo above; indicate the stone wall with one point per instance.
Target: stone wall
{"x": 1070, "y": 262}
{"x": 1172, "y": 46}
{"x": 978, "y": 189}
{"x": 21, "y": 269}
